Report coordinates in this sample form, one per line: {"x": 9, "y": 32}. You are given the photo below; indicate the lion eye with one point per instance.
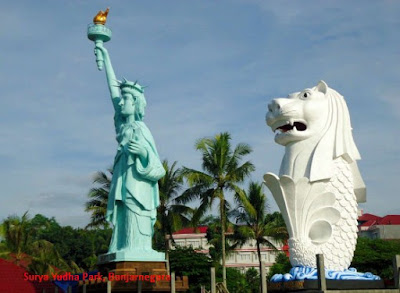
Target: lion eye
{"x": 306, "y": 95}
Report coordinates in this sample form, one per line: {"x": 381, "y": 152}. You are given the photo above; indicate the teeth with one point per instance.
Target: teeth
{"x": 291, "y": 121}
{"x": 294, "y": 128}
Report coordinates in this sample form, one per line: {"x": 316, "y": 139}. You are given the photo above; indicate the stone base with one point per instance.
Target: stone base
{"x": 137, "y": 255}
{"x": 119, "y": 275}
{"x": 134, "y": 267}
{"x": 331, "y": 285}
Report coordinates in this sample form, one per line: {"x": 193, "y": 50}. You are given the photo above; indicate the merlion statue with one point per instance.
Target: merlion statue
{"x": 319, "y": 184}
{"x": 133, "y": 198}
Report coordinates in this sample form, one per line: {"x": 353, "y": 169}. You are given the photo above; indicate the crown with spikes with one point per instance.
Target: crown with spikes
{"x": 129, "y": 84}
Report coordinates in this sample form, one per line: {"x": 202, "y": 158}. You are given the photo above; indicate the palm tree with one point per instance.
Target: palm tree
{"x": 252, "y": 211}
{"x": 20, "y": 245}
{"x": 97, "y": 205}
{"x": 214, "y": 235}
{"x": 222, "y": 172}
{"x": 46, "y": 259}
{"x": 171, "y": 216}
{"x": 18, "y": 235}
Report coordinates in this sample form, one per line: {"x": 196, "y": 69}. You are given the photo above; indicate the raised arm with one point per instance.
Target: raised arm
{"x": 113, "y": 85}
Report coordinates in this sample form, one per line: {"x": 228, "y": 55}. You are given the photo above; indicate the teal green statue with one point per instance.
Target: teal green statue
{"x": 133, "y": 198}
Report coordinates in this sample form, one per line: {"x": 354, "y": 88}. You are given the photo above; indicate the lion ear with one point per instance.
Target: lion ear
{"x": 322, "y": 87}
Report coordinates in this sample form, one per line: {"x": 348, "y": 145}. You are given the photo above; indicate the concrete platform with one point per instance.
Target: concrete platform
{"x": 332, "y": 286}
{"x": 133, "y": 276}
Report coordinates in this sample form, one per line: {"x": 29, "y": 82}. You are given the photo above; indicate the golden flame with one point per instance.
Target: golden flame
{"x": 101, "y": 17}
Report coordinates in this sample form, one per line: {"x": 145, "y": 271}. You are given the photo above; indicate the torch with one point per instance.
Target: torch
{"x": 99, "y": 33}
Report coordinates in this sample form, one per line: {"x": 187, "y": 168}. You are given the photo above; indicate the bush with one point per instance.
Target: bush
{"x": 281, "y": 266}
{"x": 187, "y": 262}
{"x": 375, "y": 256}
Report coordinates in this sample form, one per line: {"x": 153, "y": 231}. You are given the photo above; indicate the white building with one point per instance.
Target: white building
{"x": 242, "y": 258}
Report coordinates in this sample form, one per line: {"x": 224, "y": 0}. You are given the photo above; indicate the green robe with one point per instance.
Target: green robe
{"x": 135, "y": 182}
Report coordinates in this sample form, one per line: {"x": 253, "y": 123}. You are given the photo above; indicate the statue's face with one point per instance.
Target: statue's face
{"x": 127, "y": 104}
{"x": 299, "y": 116}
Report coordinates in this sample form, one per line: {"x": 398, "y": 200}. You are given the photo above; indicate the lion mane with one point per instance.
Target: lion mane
{"x": 337, "y": 141}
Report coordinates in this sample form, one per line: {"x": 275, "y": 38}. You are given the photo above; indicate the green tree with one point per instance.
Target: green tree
{"x": 17, "y": 237}
{"x": 258, "y": 225}
{"x": 281, "y": 266}
{"x": 375, "y": 256}
{"x": 222, "y": 172}
{"x": 213, "y": 235}
{"x": 21, "y": 243}
{"x": 46, "y": 258}
{"x": 206, "y": 220}
{"x": 98, "y": 199}
{"x": 170, "y": 215}
{"x": 184, "y": 261}
{"x": 235, "y": 281}
{"x": 252, "y": 280}
{"x": 78, "y": 247}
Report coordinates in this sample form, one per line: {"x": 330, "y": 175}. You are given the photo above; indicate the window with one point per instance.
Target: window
{"x": 245, "y": 257}
{"x": 272, "y": 257}
{"x": 180, "y": 242}
{"x": 194, "y": 243}
{"x": 232, "y": 257}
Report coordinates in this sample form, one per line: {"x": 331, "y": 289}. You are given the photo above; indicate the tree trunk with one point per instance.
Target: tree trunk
{"x": 259, "y": 259}
{"x": 222, "y": 215}
{"x": 167, "y": 252}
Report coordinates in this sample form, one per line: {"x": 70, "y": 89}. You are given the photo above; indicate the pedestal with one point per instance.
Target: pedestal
{"x": 137, "y": 255}
{"x": 304, "y": 285}
{"x": 134, "y": 267}
{"x": 133, "y": 276}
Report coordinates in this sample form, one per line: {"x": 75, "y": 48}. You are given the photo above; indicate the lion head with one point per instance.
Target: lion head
{"x": 316, "y": 121}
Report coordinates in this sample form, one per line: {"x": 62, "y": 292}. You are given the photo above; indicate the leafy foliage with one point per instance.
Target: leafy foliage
{"x": 21, "y": 245}
{"x": 170, "y": 215}
{"x": 235, "y": 280}
{"x": 375, "y": 256}
{"x": 252, "y": 280}
{"x": 18, "y": 237}
{"x": 48, "y": 245}
{"x": 222, "y": 170}
{"x": 187, "y": 262}
{"x": 281, "y": 266}
{"x": 78, "y": 245}
{"x": 213, "y": 236}
{"x": 98, "y": 198}
{"x": 258, "y": 224}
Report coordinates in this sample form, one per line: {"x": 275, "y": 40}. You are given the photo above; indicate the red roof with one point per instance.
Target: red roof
{"x": 285, "y": 249}
{"x": 368, "y": 220}
{"x": 368, "y": 217}
{"x": 22, "y": 260}
{"x": 390, "y": 220}
{"x": 12, "y": 279}
{"x": 369, "y": 223}
{"x": 191, "y": 230}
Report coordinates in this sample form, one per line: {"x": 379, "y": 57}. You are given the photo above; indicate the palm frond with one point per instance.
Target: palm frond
{"x": 98, "y": 199}
{"x": 241, "y": 172}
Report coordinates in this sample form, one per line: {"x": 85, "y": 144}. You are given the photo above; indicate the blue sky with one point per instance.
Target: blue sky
{"x": 211, "y": 66}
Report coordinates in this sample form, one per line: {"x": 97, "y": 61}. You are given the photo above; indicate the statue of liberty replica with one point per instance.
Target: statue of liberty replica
{"x": 133, "y": 198}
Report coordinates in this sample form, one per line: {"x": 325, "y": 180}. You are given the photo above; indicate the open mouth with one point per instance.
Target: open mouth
{"x": 299, "y": 126}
